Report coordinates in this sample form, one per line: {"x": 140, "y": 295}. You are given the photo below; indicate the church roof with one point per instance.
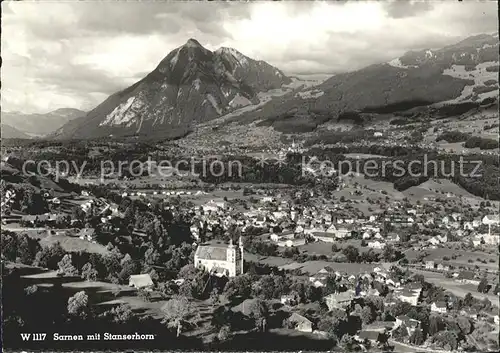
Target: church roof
{"x": 212, "y": 252}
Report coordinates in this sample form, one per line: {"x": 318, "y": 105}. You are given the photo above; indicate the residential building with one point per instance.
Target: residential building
{"x": 410, "y": 324}
{"x": 468, "y": 277}
{"x": 429, "y": 265}
{"x": 376, "y": 245}
{"x": 338, "y": 300}
{"x": 300, "y": 323}
{"x": 87, "y": 234}
{"x": 439, "y": 307}
{"x": 373, "y": 336}
{"x": 293, "y": 243}
{"x": 491, "y": 220}
{"x": 143, "y": 281}
{"x": 288, "y": 300}
{"x": 409, "y": 296}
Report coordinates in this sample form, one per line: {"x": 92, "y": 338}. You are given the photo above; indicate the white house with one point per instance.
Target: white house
{"x": 288, "y": 299}
{"x": 143, "y": 281}
{"x": 439, "y": 307}
{"x": 491, "y": 220}
{"x": 376, "y": 245}
{"x": 409, "y": 295}
{"x": 300, "y": 323}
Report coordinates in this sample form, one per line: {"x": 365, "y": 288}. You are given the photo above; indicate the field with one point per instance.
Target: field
{"x": 462, "y": 257}
{"x": 73, "y": 244}
{"x": 443, "y": 188}
{"x": 363, "y": 155}
{"x": 459, "y": 289}
{"x": 473, "y": 124}
{"x": 322, "y": 248}
{"x": 310, "y": 267}
{"x": 370, "y": 189}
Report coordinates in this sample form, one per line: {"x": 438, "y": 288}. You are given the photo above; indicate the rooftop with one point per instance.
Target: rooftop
{"x": 140, "y": 281}
{"x": 370, "y": 335}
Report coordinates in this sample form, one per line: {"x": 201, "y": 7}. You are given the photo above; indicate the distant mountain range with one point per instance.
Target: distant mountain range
{"x": 9, "y": 132}
{"x": 40, "y": 124}
{"x": 464, "y": 72}
{"x": 193, "y": 85}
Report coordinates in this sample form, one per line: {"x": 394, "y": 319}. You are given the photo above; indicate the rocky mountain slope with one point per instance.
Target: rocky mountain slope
{"x": 40, "y": 124}
{"x": 464, "y": 72}
{"x": 190, "y": 85}
{"x": 9, "y": 132}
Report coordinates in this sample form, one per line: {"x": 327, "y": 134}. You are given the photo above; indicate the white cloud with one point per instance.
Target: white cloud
{"x": 78, "y": 53}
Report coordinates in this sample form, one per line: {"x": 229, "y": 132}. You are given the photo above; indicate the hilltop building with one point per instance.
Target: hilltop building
{"x": 221, "y": 259}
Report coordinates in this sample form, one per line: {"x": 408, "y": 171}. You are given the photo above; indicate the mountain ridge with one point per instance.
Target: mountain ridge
{"x": 193, "y": 85}
{"x": 10, "y": 132}
{"x": 40, "y": 123}
{"x": 190, "y": 85}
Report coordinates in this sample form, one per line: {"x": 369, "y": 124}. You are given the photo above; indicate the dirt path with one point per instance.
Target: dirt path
{"x": 416, "y": 349}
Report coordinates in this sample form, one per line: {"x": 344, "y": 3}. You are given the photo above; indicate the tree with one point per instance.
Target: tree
{"x": 483, "y": 286}
{"x": 464, "y": 324}
{"x": 144, "y": 295}
{"x": 366, "y": 315}
{"x": 214, "y": 297}
{"x": 89, "y": 273}
{"x": 417, "y": 338}
{"x": 176, "y": 311}
{"x": 331, "y": 285}
{"x": 334, "y": 323}
{"x": 222, "y": 316}
{"x": 78, "y": 305}
{"x": 239, "y": 286}
{"x": 389, "y": 253}
{"x": 49, "y": 256}
{"x": 30, "y": 290}
{"x": 377, "y": 303}
{"x": 419, "y": 279}
{"x": 399, "y": 308}
{"x": 348, "y": 343}
{"x": 446, "y": 339}
{"x": 129, "y": 267}
{"x": 351, "y": 253}
{"x": 468, "y": 300}
{"x": 66, "y": 267}
{"x": 259, "y": 312}
{"x": 224, "y": 333}
{"x": 400, "y": 333}
{"x": 121, "y": 314}
{"x": 435, "y": 325}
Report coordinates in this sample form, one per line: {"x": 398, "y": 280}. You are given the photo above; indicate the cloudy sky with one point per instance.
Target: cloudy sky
{"x": 75, "y": 54}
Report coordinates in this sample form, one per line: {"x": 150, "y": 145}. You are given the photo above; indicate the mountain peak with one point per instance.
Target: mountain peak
{"x": 230, "y": 52}
{"x": 191, "y": 42}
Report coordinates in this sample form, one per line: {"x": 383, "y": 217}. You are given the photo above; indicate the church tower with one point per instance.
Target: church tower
{"x": 240, "y": 244}
{"x": 232, "y": 258}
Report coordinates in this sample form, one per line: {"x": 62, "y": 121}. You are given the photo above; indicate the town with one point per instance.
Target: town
{"x": 250, "y": 176}
{"x": 341, "y": 262}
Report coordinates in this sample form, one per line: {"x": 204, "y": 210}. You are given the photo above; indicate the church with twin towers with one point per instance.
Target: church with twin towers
{"x": 220, "y": 259}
